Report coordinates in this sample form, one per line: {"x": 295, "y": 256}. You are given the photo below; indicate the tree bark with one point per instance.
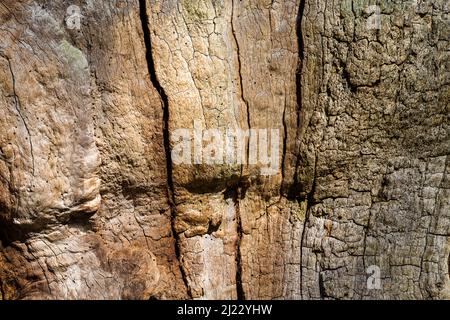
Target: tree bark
{"x": 94, "y": 203}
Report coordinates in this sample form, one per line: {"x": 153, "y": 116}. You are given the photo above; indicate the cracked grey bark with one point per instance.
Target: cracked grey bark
{"x": 92, "y": 205}
{"x": 375, "y": 137}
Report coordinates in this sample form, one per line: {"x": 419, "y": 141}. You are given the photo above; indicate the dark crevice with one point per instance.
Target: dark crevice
{"x": 293, "y": 190}
{"x": 236, "y": 192}
{"x": 239, "y": 287}
{"x": 10, "y": 232}
{"x": 297, "y": 190}
{"x": 241, "y": 84}
{"x": 2, "y": 293}
{"x": 297, "y": 186}
{"x": 321, "y": 286}
{"x": 212, "y": 228}
{"x": 301, "y": 43}
{"x": 366, "y": 232}
{"x": 310, "y": 195}
{"x": 166, "y": 135}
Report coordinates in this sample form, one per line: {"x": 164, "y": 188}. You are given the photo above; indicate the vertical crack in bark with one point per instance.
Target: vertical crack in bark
{"x": 239, "y": 287}
{"x": 19, "y": 111}
{"x": 241, "y": 85}
{"x": 236, "y": 192}
{"x": 292, "y": 191}
{"x": 366, "y": 232}
{"x": 166, "y": 135}
{"x": 2, "y": 292}
{"x": 301, "y": 54}
{"x": 309, "y": 198}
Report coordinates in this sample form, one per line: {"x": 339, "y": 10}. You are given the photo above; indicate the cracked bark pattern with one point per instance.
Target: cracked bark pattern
{"x": 375, "y": 137}
{"x": 92, "y": 206}
{"x": 94, "y": 219}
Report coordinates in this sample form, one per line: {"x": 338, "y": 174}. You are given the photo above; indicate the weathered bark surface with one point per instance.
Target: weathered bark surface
{"x": 93, "y": 206}
{"x": 377, "y": 121}
{"x": 84, "y": 205}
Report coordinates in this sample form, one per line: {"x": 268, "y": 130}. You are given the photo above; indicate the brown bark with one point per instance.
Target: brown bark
{"x": 93, "y": 204}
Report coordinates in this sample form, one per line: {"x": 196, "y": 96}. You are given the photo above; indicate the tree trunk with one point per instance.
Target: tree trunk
{"x": 132, "y": 159}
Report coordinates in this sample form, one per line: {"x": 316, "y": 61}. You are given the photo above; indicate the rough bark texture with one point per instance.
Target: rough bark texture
{"x": 92, "y": 206}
